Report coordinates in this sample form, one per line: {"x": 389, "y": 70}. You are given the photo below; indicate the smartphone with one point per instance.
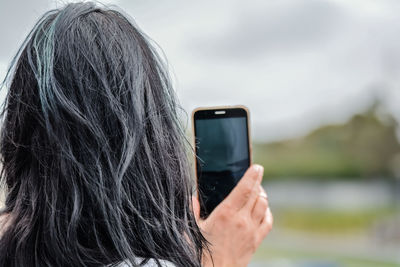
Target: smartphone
{"x": 223, "y": 152}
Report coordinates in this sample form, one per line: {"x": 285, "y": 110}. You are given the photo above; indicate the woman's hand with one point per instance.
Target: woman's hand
{"x": 237, "y": 226}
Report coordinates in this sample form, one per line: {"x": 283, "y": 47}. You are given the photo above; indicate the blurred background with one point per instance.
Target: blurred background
{"x": 322, "y": 81}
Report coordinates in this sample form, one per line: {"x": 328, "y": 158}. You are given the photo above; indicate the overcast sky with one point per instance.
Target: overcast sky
{"x": 296, "y": 64}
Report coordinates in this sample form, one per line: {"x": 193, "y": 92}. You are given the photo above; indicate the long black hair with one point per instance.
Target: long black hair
{"x": 94, "y": 156}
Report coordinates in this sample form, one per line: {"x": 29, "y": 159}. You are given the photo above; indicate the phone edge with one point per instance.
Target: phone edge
{"x": 250, "y": 145}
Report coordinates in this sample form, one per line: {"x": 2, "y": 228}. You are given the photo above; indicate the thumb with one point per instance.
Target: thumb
{"x": 196, "y": 208}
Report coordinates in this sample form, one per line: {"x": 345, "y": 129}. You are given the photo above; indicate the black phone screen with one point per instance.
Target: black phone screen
{"x": 223, "y": 154}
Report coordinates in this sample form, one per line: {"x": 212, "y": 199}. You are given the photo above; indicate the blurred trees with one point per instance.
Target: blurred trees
{"x": 365, "y": 146}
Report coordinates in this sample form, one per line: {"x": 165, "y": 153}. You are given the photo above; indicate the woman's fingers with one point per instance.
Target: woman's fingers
{"x": 255, "y": 193}
{"x": 259, "y": 209}
{"x": 246, "y": 191}
{"x": 238, "y": 225}
{"x": 265, "y": 226}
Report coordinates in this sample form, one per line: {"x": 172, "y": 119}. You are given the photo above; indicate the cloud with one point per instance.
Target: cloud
{"x": 284, "y": 25}
{"x": 295, "y": 63}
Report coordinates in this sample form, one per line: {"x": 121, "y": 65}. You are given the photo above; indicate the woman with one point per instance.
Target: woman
{"x": 95, "y": 160}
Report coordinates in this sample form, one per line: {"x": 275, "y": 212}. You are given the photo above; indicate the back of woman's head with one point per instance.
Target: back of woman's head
{"x": 93, "y": 155}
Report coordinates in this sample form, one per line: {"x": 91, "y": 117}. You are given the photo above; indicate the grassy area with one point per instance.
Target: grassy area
{"x": 304, "y": 237}
{"x": 267, "y": 254}
{"x": 326, "y": 221}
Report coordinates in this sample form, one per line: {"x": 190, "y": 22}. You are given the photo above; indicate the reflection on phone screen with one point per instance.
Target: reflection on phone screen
{"x": 223, "y": 158}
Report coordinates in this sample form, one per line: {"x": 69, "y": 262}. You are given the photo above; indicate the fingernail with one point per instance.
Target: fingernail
{"x": 258, "y": 169}
{"x": 254, "y": 173}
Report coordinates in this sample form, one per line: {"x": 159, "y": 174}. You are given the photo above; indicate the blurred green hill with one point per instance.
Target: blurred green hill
{"x": 364, "y": 146}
